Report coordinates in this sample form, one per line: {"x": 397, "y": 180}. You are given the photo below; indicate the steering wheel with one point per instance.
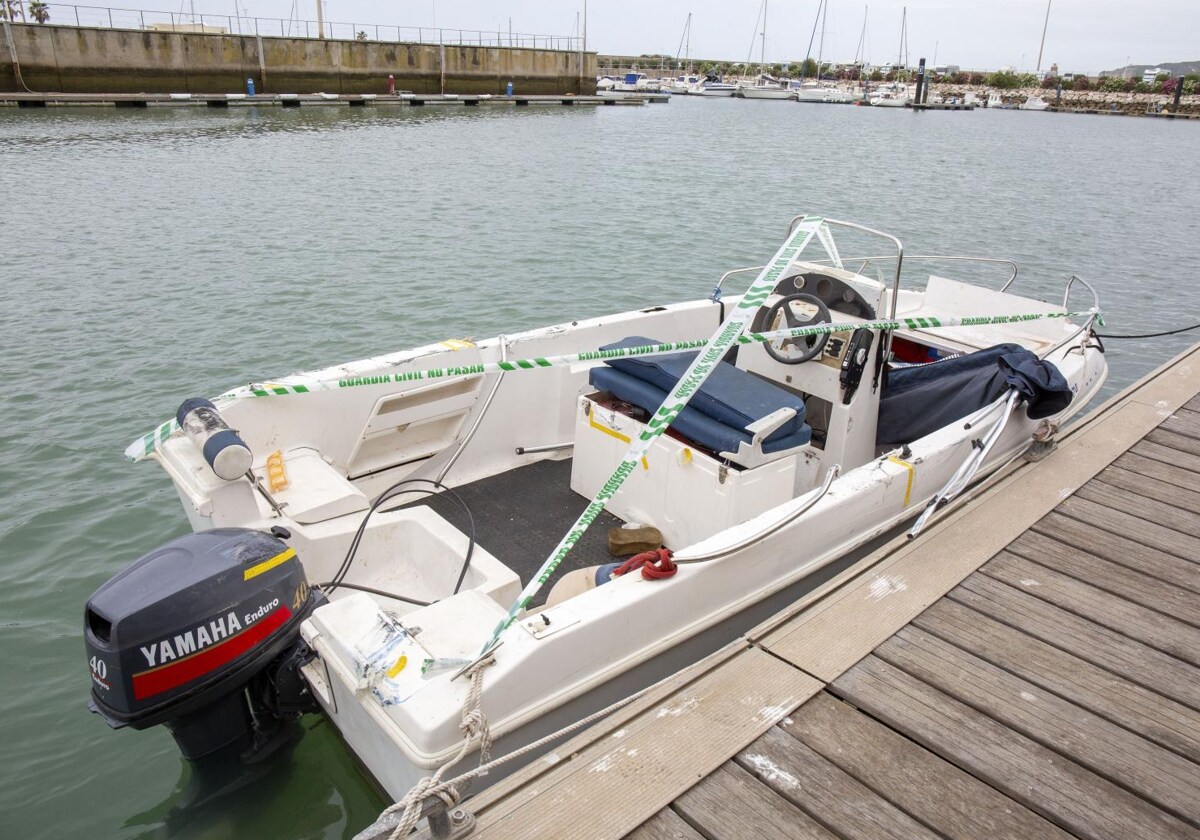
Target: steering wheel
{"x": 798, "y": 310}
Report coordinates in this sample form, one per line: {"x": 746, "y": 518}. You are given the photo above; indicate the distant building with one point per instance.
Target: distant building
{"x": 945, "y": 69}
{"x": 1149, "y": 75}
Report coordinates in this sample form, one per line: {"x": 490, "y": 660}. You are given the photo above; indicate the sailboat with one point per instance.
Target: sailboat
{"x": 767, "y": 87}
{"x": 896, "y": 94}
{"x": 815, "y": 90}
{"x": 687, "y": 81}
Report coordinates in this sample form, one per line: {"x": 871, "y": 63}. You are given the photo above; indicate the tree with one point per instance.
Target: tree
{"x": 8, "y": 9}
{"x": 40, "y": 11}
{"x": 806, "y": 68}
{"x": 360, "y": 36}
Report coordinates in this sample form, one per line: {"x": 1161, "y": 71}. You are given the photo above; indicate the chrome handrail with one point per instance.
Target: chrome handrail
{"x": 855, "y": 226}
{"x": 759, "y": 536}
{"x": 1071, "y": 281}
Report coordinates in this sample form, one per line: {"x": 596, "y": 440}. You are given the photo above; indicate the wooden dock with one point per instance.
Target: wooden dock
{"x": 297, "y": 100}
{"x": 1028, "y": 667}
{"x": 942, "y": 106}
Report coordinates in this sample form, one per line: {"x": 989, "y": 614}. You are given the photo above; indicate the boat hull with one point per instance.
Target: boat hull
{"x": 603, "y": 640}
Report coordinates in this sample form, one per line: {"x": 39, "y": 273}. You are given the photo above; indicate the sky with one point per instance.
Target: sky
{"x": 1083, "y": 35}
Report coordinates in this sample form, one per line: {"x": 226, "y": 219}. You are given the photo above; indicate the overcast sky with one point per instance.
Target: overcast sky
{"x": 1084, "y": 35}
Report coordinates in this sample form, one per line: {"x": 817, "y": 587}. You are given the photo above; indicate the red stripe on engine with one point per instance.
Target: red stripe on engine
{"x": 165, "y": 677}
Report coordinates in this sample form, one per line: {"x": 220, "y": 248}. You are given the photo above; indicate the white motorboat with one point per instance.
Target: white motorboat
{"x": 682, "y": 85}
{"x": 827, "y": 94}
{"x": 637, "y": 83}
{"x": 1033, "y": 103}
{"x": 605, "y": 83}
{"x": 713, "y": 86}
{"x": 766, "y": 87}
{"x": 820, "y": 433}
{"x": 894, "y": 95}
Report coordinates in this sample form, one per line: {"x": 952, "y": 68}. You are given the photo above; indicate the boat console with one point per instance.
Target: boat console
{"x": 760, "y": 431}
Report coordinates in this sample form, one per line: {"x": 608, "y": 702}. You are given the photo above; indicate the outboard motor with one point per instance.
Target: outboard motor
{"x": 203, "y": 635}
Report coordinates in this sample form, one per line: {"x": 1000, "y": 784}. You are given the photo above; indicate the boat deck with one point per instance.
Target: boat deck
{"x": 520, "y": 516}
{"x": 1029, "y": 667}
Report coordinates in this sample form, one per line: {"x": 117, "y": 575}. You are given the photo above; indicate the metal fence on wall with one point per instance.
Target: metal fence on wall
{"x": 64, "y": 14}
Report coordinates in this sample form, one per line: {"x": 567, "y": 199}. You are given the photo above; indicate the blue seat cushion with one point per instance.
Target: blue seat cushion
{"x": 691, "y": 423}
{"x": 730, "y": 396}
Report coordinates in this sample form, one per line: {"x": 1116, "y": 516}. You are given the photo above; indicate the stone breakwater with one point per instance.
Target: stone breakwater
{"x": 1131, "y": 103}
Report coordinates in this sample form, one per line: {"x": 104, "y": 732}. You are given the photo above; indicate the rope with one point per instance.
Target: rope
{"x": 655, "y": 565}
{"x": 1153, "y": 335}
{"x": 448, "y": 791}
{"x": 473, "y": 725}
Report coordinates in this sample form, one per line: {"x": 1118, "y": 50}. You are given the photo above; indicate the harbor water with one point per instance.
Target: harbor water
{"x": 156, "y": 255}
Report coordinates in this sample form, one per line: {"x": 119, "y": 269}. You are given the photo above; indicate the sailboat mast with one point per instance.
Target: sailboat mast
{"x": 1043, "y": 44}
{"x": 860, "y": 55}
{"x": 687, "y": 54}
{"x": 811, "y": 38}
{"x": 821, "y": 44}
{"x": 762, "y": 56}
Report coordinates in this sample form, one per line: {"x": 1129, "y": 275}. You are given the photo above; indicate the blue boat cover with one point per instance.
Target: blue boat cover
{"x": 921, "y": 399}
{"x": 730, "y": 395}
{"x": 692, "y": 423}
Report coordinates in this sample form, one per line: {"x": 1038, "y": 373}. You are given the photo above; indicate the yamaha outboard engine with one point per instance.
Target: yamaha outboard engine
{"x": 203, "y": 635}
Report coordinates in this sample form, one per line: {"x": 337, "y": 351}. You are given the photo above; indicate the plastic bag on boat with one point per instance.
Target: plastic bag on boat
{"x": 921, "y": 399}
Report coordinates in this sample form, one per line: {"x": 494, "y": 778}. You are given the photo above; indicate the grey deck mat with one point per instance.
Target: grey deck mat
{"x": 520, "y": 516}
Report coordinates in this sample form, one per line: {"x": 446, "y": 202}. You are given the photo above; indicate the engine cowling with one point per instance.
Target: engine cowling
{"x": 176, "y": 636}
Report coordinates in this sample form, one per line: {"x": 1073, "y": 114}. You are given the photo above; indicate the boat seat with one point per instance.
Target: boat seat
{"x": 736, "y": 414}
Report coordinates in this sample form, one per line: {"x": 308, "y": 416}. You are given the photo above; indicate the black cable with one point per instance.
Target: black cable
{"x": 388, "y": 494}
{"x": 1152, "y": 335}
{"x": 393, "y": 595}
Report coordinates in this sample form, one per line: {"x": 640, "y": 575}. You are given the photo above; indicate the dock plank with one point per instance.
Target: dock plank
{"x": 1044, "y": 781}
{"x": 1177, "y": 478}
{"x": 1080, "y": 637}
{"x": 1174, "y": 440}
{"x": 1158, "y": 510}
{"x": 1113, "y": 547}
{"x": 1133, "y": 620}
{"x": 1122, "y": 581}
{"x": 1179, "y": 495}
{"x": 709, "y": 720}
{"x": 952, "y": 802}
{"x": 1183, "y": 422}
{"x": 1111, "y": 751}
{"x": 733, "y": 804}
{"x": 665, "y": 825}
{"x": 1135, "y": 527}
{"x": 1167, "y": 455}
{"x": 1138, "y": 709}
{"x": 822, "y": 789}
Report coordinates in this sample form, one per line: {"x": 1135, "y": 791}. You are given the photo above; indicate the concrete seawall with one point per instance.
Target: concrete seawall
{"x": 70, "y": 59}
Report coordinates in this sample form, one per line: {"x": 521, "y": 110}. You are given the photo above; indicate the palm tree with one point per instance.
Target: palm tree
{"x": 8, "y": 9}
{"x": 40, "y": 11}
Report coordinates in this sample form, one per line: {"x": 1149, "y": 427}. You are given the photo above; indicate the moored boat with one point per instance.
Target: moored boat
{"x": 850, "y": 406}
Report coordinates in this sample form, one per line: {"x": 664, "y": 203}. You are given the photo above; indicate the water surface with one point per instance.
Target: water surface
{"x": 151, "y": 256}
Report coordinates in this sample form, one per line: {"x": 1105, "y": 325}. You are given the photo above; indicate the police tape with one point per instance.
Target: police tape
{"x": 146, "y": 444}
{"x": 689, "y": 384}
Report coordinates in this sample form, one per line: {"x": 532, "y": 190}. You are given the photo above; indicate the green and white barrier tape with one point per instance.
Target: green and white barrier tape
{"x": 704, "y": 364}
{"x": 146, "y": 444}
